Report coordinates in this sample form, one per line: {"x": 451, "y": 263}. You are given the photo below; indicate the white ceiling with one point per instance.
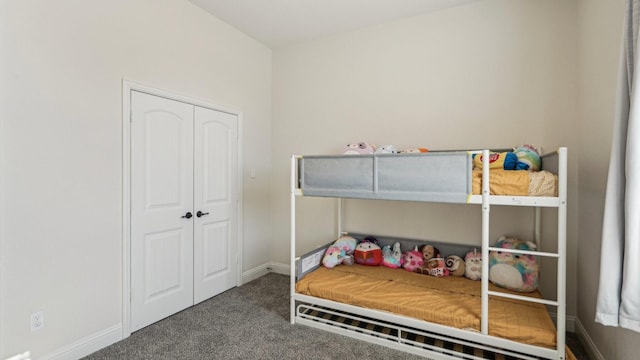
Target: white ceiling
{"x": 278, "y": 23}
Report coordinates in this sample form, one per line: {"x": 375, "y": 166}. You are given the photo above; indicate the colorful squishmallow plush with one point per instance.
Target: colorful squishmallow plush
{"x": 473, "y": 265}
{"x": 528, "y": 157}
{"x": 514, "y": 271}
{"x": 368, "y": 253}
{"x": 392, "y": 257}
{"x": 346, "y": 242}
{"x": 340, "y": 252}
{"x": 436, "y": 267}
{"x": 332, "y": 257}
{"x": 359, "y": 148}
{"x": 412, "y": 260}
{"x": 455, "y": 265}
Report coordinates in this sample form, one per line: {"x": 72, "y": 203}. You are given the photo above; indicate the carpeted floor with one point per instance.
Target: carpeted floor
{"x": 248, "y": 322}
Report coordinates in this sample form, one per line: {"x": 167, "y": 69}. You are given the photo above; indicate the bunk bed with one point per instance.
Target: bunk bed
{"x": 479, "y": 318}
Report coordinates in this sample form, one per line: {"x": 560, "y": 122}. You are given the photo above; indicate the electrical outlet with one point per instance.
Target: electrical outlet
{"x": 37, "y": 321}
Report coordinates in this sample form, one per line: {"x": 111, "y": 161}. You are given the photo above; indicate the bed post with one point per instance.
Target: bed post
{"x": 484, "y": 319}
{"x": 339, "y": 218}
{"x": 562, "y": 250}
{"x": 293, "y": 239}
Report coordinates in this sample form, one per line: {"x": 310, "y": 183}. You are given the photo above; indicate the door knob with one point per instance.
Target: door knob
{"x": 200, "y": 213}
{"x": 188, "y": 215}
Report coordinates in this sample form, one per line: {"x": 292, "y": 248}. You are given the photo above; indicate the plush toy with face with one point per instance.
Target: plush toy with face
{"x": 386, "y": 149}
{"x": 473, "y": 265}
{"x": 528, "y": 158}
{"x": 455, "y": 265}
{"x": 436, "y": 267}
{"x": 347, "y": 243}
{"x": 340, "y": 252}
{"x": 429, "y": 252}
{"x": 368, "y": 253}
{"x": 412, "y": 260}
{"x": 359, "y": 148}
{"x": 514, "y": 271}
{"x": 392, "y": 257}
{"x": 332, "y": 257}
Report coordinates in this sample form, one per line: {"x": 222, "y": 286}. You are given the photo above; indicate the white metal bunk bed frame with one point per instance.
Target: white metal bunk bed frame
{"x": 480, "y": 340}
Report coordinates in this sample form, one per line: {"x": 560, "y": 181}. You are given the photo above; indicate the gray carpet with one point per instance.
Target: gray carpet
{"x": 247, "y": 322}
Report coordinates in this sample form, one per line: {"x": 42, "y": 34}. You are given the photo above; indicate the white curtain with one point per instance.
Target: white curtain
{"x": 619, "y": 287}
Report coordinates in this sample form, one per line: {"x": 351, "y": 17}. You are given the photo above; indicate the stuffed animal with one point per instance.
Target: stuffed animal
{"x": 346, "y": 242}
{"x": 359, "y": 148}
{"x": 333, "y": 256}
{"x": 412, "y": 260}
{"x": 428, "y": 252}
{"x": 368, "y": 252}
{"x": 514, "y": 271}
{"x": 340, "y": 252}
{"x": 528, "y": 156}
{"x": 473, "y": 265}
{"x": 386, "y": 149}
{"x": 503, "y": 160}
{"x": 416, "y": 150}
{"x": 455, "y": 265}
{"x": 392, "y": 258}
{"x": 437, "y": 267}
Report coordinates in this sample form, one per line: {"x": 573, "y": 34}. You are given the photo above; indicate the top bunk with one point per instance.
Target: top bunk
{"x": 435, "y": 176}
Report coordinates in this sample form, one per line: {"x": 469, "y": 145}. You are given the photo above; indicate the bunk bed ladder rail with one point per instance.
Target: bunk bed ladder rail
{"x": 560, "y": 303}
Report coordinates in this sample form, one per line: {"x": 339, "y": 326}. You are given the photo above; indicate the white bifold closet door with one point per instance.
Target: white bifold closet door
{"x": 183, "y": 206}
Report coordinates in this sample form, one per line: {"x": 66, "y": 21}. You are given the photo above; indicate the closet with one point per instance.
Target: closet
{"x": 183, "y": 195}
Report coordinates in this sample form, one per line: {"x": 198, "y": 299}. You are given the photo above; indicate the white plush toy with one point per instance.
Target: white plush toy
{"x": 359, "y": 148}
{"x": 386, "y": 149}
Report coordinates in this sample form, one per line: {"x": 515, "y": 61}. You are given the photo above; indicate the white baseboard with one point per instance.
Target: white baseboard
{"x": 278, "y": 268}
{"x": 570, "y": 321}
{"x": 264, "y": 269}
{"x": 585, "y": 339}
{"x": 88, "y": 345}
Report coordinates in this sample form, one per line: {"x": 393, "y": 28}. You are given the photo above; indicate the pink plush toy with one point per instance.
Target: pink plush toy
{"x": 412, "y": 260}
{"x": 359, "y": 148}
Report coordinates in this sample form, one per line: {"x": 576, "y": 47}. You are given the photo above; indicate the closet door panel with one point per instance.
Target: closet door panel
{"x": 161, "y": 195}
{"x": 215, "y": 197}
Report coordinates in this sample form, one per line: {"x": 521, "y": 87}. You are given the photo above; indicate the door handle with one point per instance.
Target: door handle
{"x": 188, "y": 215}
{"x": 200, "y": 213}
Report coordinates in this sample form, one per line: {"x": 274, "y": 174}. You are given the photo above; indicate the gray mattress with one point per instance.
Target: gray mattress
{"x": 434, "y": 176}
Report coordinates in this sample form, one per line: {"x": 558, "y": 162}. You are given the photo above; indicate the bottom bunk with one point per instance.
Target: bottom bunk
{"x": 426, "y": 315}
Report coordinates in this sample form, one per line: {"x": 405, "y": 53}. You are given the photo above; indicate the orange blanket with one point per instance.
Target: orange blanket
{"x": 451, "y": 301}
{"x": 517, "y": 183}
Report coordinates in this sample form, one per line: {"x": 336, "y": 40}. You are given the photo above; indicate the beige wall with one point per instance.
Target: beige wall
{"x": 61, "y": 115}
{"x": 495, "y": 73}
{"x": 600, "y": 38}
